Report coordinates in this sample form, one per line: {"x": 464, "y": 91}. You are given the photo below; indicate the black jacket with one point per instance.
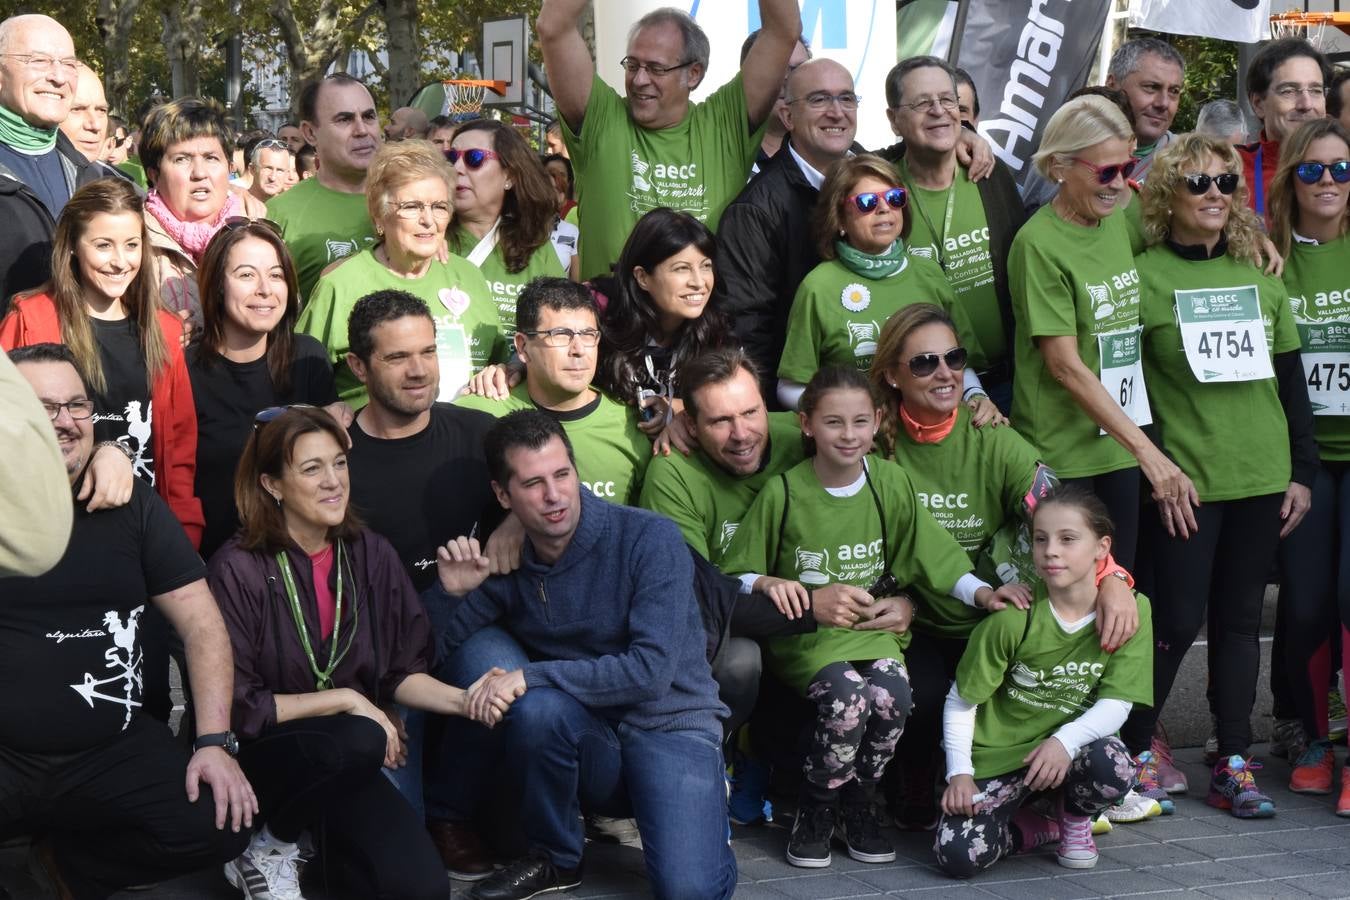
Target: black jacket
{"x": 27, "y": 229}
{"x": 765, "y": 250}
{"x": 1005, "y": 214}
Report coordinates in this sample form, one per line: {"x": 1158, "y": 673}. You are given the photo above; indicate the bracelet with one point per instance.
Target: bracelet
{"x": 126, "y": 451}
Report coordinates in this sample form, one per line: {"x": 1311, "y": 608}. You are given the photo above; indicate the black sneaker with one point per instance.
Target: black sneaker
{"x": 809, "y": 845}
{"x": 860, "y": 830}
{"x": 527, "y": 877}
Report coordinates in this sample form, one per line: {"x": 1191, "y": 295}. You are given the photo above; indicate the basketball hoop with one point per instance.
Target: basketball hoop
{"x": 464, "y": 96}
{"x": 1311, "y": 26}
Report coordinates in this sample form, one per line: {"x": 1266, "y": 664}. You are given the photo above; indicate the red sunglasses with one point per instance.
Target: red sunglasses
{"x": 1107, "y": 174}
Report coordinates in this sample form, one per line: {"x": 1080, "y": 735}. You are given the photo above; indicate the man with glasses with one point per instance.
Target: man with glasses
{"x": 115, "y": 799}
{"x": 965, "y": 227}
{"x": 39, "y": 167}
{"x": 767, "y": 244}
{"x": 558, "y": 338}
{"x": 1286, "y": 85}
{"x": 654, "y": 147}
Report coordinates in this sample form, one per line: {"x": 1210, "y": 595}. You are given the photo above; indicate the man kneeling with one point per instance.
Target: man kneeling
{"x": 617, "y": 712}
{"x": 99, "y": 786}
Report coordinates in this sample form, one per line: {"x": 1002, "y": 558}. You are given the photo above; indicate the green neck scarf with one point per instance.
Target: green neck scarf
{"x": 891, "y": 261}
{"x": 1145, "y": 152}
{"x": 19, "y": 135}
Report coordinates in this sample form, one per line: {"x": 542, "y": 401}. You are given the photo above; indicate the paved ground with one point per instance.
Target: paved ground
{"x": 1304, "y": 851}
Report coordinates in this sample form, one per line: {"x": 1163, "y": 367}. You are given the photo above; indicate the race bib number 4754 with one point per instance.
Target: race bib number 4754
{"x": 1223, "y": 334}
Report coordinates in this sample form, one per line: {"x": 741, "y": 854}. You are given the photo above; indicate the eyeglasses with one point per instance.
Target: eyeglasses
{"x": 822, "y": 100}
{"x": 1198, "y": 183}
{"x": 234, "y": 222}
{"x": 78, "y": 409}
{"x": 1107, "y": 174}
{"x": 1292, "y": 91}
{"x": 411, "y": 210}
{"x": 633, "y": 65}
{"x": 926, "y": 364}
{"x": 267, "y": 415}
{"x": 563, "y": 337}
{"x": 42, "y": 62}
{"x": 946, "y": 101}
{"x": 473, "y": 157}
{"x": 1311, "y": 172}
{"x": 869, "y": 201}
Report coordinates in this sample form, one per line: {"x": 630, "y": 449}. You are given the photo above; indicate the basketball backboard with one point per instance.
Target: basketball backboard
{"x": 506, "y": 44}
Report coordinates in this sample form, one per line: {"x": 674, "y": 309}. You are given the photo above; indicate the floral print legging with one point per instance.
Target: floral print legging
{"x": 860, "y": 714}
{"x": 1099, "y": 775}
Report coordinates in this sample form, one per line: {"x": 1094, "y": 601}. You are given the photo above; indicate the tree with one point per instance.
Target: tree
{"x": 313, "y": 50}
{"x": 184, "y": 33}
{"x": 403, "y": 76}
{"x": 115, "y": 20}
{"x": 1211, "y": 74}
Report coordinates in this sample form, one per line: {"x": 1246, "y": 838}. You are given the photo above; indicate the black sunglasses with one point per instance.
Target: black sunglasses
{"x": 1198, "y": 183}
{"x": 1311, "y": 172}
{"x": 1107, "y": 174}
{"x": 474, "y": 157}
{"x": 234, "y": 222}
{"x": 926, "y": 364}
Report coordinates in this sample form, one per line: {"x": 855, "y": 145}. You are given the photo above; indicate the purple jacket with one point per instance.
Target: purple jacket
{"x": 392, "y": 633}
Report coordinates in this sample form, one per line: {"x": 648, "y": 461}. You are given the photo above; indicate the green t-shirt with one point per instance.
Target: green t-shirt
{"x": 1068, "y": 280}
{"x": 973, "y": 481}
{"x": 706, "y": 501}
{"x": 816, "y": 538}
{"x": 837, "y": 316}
{"x": 1028, "y": 687}
{"x": 955, "y": 218}
{"x": 624, "y": 170}
{"x": 466, "y": 320}
{"x": 1134, "y": 222}
{"x": 611, "y": 452}
{"x": 133, "y": 169}
{"x": 1319, "y": 294}
{"x": 1231, "y": 438}
{"x": 506, "y": 286}
{"x": 319, "y": 226}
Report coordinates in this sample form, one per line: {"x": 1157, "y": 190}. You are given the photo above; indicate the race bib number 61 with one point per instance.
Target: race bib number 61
{"x": 1223, "y": 335}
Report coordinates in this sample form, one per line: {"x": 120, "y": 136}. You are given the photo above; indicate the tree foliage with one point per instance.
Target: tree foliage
{"x": 1211, "y": 74}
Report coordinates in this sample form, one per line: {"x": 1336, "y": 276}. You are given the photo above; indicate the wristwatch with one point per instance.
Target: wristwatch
{"x": 223, "y": 739}
{"x": 117, "y": 445}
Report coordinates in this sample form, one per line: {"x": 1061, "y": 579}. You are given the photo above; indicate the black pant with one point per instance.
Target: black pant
{"x": 323, "y": 773}
{"x": 116, "y": 815}
{"x": 931, "y": 661}
{"x": 737, "y": 669}
{"x": 1120, "y": 492}
{"x": 1223, "y": 569}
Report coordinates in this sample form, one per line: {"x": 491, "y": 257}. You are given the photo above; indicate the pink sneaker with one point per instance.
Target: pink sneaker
{"x": 1170, "y": 778}
{"x": 1035, "y": 828}
{"x": 1077, "y": 850}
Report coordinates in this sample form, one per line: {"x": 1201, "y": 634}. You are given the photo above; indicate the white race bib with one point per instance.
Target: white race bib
{"x": 1328, "y": 377}
{"x": 1223, "y": 334}
{"x": 452, "y": 351}
{"x": 1123, "y": 373}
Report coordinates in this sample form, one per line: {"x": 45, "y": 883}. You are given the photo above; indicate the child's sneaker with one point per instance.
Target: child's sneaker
{"x": 1287, "y": 739}
{"x": 1077, "y": 850}
{"x": 1146, "y": 783}
{"x": 1233, "y": 787}
{"x": 1170, "y": 778}
{"x": 1313, "y": 770}
{"x": 859, "y": 827}
{"x": 809, "y": 845}
{"x": 747, "y": 804}
{"x": 1343, "y": 804}
{"x": 1034, "y": 828}
{"x": 1133, "y": 807}
{"x": 1101, "y": 825}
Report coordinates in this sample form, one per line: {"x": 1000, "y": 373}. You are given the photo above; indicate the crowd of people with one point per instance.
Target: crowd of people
{"x": 490, "y": 500}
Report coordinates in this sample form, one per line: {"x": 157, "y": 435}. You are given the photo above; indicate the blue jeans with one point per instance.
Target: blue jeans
{"x": 568, "y": 759}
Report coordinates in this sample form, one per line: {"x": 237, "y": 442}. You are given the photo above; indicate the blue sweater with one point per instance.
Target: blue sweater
{"x": 613, "y": 622}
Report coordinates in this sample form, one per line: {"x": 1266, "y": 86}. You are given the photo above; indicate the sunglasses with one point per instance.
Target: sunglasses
{"x": 473, "y": 157}
{"x": 1198, "y": 183}
{"x": 234, "y": 222}
{"x": 1107, "y": 174}
{"x": 926, "y": 364}
{"x": 1311, "y": 172}
{"x": 867, "y": 202}
{"x": 267, "y": 415}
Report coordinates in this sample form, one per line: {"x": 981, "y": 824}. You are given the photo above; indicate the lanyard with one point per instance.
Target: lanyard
{"x": 941, "y": 239}
{"x": 323, "y": 678}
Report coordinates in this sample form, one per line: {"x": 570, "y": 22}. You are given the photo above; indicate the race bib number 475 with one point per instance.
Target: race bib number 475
{"x": 1223, "y": 334}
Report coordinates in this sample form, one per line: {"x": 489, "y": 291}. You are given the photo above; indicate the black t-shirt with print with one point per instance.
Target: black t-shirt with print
{"x": 227, "y": 396}
{"x": 70, "y": 648}
{"x": 122, "y": 410}
{"x": 423, "y": 490}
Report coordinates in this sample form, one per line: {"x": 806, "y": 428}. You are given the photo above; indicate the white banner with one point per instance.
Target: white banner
{"x": 1244, "y": 21}
{"x": 860, "y": 34}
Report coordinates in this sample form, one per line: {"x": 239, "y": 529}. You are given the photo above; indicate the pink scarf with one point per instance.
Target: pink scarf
{"x": 192, "y": 236}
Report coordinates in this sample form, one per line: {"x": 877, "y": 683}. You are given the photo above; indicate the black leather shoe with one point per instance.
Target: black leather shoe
{"x": 528, "y": 877}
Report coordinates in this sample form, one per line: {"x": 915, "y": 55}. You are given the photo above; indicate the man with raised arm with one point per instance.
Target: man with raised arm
{"x": 654, "y": 147}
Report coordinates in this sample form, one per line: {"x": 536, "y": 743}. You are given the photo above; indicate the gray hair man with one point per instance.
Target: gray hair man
{"x": 1223, "y": 119}
{"x": 1151, "y": 74}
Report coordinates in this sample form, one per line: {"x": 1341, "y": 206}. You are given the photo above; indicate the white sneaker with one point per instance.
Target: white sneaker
{"x": 1101, "y": 825}
{"x": 268, "y": 870}
{"x": 1133, "y": 807}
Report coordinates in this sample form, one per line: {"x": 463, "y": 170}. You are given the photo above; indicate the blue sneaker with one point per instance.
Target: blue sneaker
{"x": 1147, "y": 784}
{"x": 1233, "y": 788}
{"x": 749, "y": 783}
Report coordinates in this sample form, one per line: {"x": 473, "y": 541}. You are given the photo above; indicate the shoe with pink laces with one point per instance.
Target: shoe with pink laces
{"x": 1077, "y": 849}
{"x": 1147, "y": 783}
{"x": 1233, "y": 787}
{"x": 1034, "y": 829}
{"x": 1170, "y": 778}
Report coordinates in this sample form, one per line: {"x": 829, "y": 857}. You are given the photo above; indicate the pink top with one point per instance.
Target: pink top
{"x": 323, "y": 594}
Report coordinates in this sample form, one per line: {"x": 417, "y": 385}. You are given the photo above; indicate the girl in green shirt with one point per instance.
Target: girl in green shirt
{"x": 840, "y": 517}
{"x": 1036, "y": 703}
